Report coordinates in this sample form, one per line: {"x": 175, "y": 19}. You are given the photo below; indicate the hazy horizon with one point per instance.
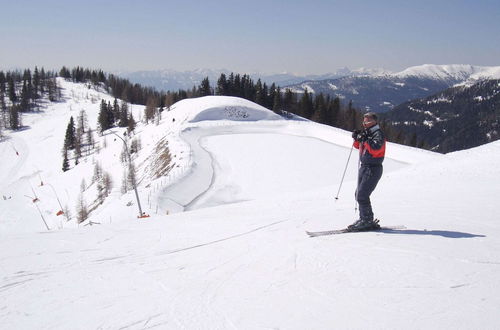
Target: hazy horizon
{"x": 300, "y": 37}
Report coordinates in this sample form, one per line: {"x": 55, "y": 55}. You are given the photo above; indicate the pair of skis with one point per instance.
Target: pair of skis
{"x": 347, "y": 230}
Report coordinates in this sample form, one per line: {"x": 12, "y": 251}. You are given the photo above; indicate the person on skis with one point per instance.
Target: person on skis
{"x": 371, "y": 144}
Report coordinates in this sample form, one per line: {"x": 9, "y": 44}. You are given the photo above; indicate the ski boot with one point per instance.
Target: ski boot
{"x": 364, "y": 225}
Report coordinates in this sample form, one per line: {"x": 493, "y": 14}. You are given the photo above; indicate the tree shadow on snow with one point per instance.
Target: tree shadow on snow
{"x": 443, "y": 233}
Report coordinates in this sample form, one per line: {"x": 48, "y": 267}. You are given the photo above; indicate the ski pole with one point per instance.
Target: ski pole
{"x": 343, "y": 175}
{"x": 357, "y": 183}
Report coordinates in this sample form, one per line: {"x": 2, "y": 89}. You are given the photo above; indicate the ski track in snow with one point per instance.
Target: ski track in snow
{"x": 207, "y": 165}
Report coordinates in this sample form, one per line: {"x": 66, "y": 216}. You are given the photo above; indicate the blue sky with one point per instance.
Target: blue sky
{"x": 304, "y": 37}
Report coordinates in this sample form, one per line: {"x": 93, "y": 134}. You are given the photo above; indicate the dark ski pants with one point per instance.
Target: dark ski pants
{"x": 368, "y": 177}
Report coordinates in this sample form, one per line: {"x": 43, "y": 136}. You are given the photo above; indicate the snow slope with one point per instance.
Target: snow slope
{"x": 250, "y": 185}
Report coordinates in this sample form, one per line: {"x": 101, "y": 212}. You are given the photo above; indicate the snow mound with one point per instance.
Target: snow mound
{"x": 223, "y": 108}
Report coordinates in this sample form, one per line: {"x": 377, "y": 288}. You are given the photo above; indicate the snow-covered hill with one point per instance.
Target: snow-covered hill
{"x": 250, "y": 184}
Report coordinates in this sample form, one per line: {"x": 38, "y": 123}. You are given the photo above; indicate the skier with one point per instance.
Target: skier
{"x": 371, "y": 144}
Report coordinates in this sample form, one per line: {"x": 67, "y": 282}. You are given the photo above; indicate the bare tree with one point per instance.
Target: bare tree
{"x": 125, "y": 185}
{"x": 82, "y": 212}
{"x": 131, "y": 177}
{"x": 150, "y": 110}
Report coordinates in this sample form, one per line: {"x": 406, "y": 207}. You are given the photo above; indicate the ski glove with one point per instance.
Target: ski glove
{"x": 360, "y": 136}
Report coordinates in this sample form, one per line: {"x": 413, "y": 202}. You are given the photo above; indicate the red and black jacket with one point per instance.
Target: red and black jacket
{"x": 372, "y": 149}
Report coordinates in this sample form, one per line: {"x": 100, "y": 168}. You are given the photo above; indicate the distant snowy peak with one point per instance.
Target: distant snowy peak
{"x": 368, "y": 72}
{"x": 457, "y": 72}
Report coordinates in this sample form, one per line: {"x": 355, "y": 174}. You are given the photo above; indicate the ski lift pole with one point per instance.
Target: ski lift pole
{"x": 57, "y": 197}
{"x": 343, "y": 175}
{"x": 133, "y": 181}
{"x": 41, "y": 215}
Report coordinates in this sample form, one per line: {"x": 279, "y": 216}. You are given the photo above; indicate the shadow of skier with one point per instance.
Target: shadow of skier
{"x": 443, "y": 233}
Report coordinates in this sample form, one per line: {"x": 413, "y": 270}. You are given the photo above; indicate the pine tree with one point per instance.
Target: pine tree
{"x": 3, "y": 105}
{"x": 237, "y": 86}
{"x": 110, "y": 114}
{"x": 131, "y": 124}
{"x": 12, "y": 89}
{"x": 259, "y": 93}
{"x": 222, "y": 85}
{"x": 65, "y": 73}
{"x": 123, "y": 119}
{"x": 306, "y": 107}
{"x": 43, "y": 81}
{"x": 277, "y": 102}
{"x": 334, "y": 112}
{"x": 249, "y": 90}
{"x": 78, "y": 148}
{"x": 204, "y": 88}
{"x": 3, "y": 108}
{"x": 14, "y": 120}
{"x": 116, "y": 111}
{"x": 289, "y": 101}
{"x": 36, "y": 84}
{"x": 270, "y": 96}
{"x": 25, "y": 99}
{"x": 90, "y": 140}
{"x": 161, "y": 105}
{"x": 27, "y": 92}
{"x": 231, "y": 91}
{"x": 102, "y": 119}
{"x": 320, "y": 111}
{"x": 70, "y": 137}
{"x": 65, "y": 165}
{"x": 52, "y": 90}
{"x": 2, "y": 83}
{"x": 350, "y": 121}
{"x": 265, "y": 93}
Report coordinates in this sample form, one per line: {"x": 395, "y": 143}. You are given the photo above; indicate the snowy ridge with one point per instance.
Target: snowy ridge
{"x": 487, "y": 73}
{"x": 251, "y": 184}
{"x": 460, "y": 72}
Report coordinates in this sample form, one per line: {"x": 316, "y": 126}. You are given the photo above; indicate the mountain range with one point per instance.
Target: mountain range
{"x": 383, "y": 92}
{"x": 173, "y": 80}
{"x": 375, "y": 90}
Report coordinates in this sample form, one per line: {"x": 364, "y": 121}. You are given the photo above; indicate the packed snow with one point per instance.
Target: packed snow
{"x": 225, "y": 244}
